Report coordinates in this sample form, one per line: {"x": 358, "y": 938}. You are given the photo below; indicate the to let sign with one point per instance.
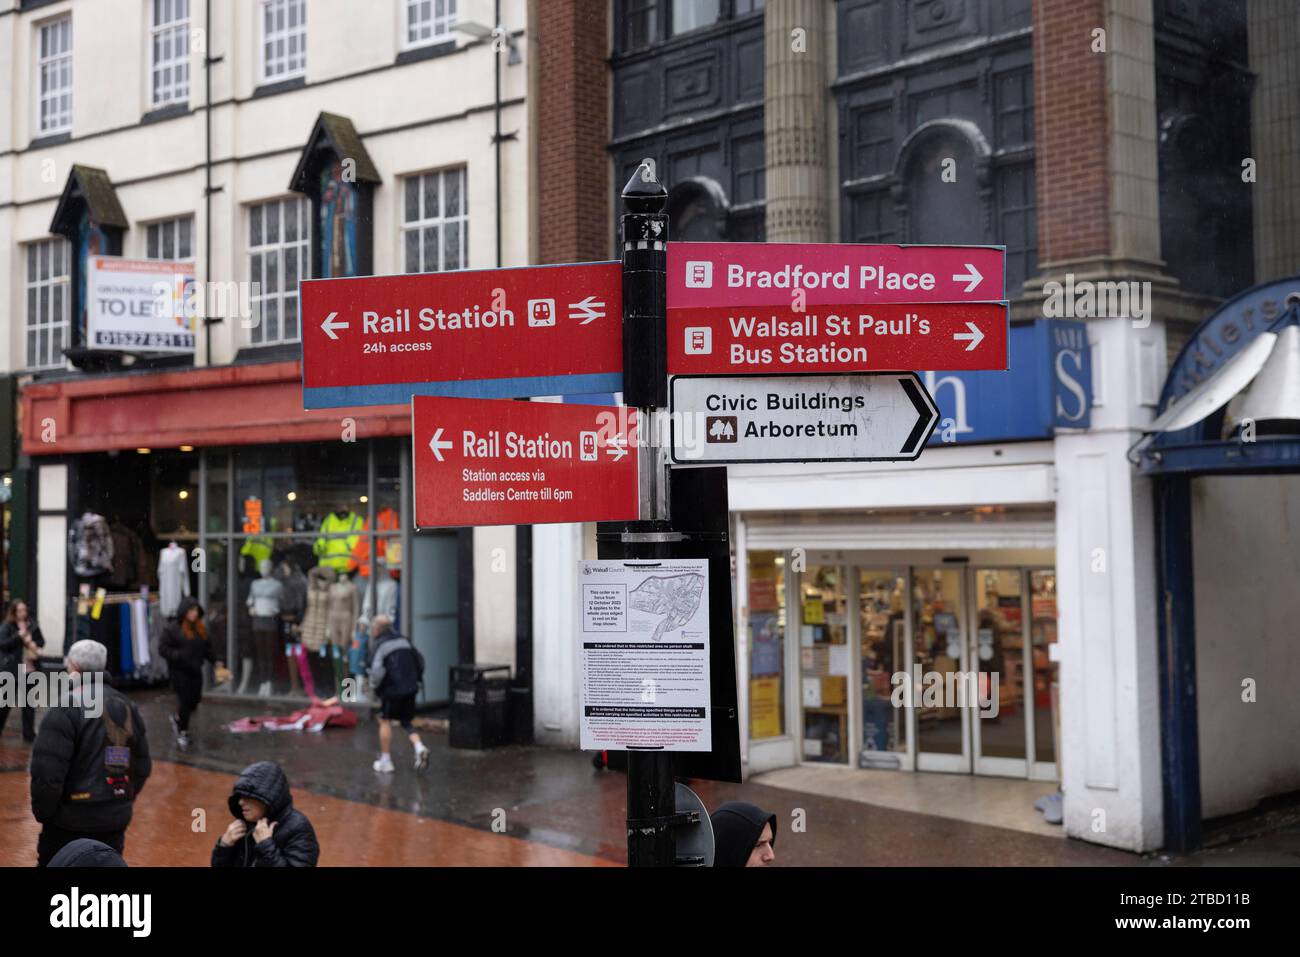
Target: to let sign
{"x": 492, "y": 333}
{"x": 485, "y": 462}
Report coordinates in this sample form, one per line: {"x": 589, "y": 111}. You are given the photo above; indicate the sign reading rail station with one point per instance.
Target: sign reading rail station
{"x": 880, "y": 417}
{"x": 488, "y": 333}
{"x": 485, "y": 462}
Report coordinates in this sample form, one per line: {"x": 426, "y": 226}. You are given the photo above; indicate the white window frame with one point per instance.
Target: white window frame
{"x": 440, "y": 27}
{"x": 439, "y": 219}
{"x": 174, "y": 254}
{"x": 261, "y": 293}
{"x": 265, "y": 37}
{"x": 54, "y": 62}
{"x": 175, "y": 33}
{"x": 47, "y": 316}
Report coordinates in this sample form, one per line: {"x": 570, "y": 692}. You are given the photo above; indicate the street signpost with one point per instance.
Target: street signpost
{"x": 776, "y": 353}
{"x": 488, "y": 333}
{"x": 880, "y": 417}
{"x": 701, "y": 275}
{"x": 776, "y": 340}
{"x": 776, "y": 308}
{"x": 494, "y": 462}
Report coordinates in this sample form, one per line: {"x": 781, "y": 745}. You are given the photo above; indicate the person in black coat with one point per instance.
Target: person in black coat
{"x": 185, "y": 646}
{"x": 90, "y": 760}
{"x": 268, "y": 831}
{"x": 743, "y": 835}
{"x": 20, "y": 645}
{"x": 87, "y": 852}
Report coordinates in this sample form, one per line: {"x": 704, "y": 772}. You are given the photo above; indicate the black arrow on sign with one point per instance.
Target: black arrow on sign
{"x": 927, "y": 414}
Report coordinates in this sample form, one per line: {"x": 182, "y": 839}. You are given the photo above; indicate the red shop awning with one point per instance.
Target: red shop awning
{"x": 254, "y": 404}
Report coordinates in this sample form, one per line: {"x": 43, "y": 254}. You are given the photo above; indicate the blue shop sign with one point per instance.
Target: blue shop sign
{"x": 1047, "y": 386}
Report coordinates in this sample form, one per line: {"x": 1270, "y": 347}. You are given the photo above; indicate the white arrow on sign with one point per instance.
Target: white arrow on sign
{"x": 591, "y": 308}
{"x": 617, "y": 447}
{"x": 856, "y": 417}
{"x": 329, "y": 325}
{"x": 971, "y": 277}
{"x": 437, "y": 444}
{"x": 975, "y": 336}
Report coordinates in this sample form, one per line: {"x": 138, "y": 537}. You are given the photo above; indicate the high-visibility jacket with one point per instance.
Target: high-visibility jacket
{"x": 336, "y": 553}
{"x": 386, "y": 520}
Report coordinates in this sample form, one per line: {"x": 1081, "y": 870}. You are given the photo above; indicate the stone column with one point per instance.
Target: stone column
{"x": 1274, "y": 42}
{"x": 794, "y": 121}
{"x": 1098, "y": 215}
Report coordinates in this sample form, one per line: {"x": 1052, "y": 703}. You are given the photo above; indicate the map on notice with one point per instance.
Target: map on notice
{"x": 674, "y": 601}
{"x": 645, "y": 655}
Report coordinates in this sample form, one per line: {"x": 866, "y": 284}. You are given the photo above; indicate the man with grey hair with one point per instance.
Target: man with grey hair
{"x": 90, "y": 759}
{"x": 396, "y": 672}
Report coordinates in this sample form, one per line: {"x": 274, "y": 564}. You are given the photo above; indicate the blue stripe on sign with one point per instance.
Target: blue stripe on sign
{"x": 336, "y": 397}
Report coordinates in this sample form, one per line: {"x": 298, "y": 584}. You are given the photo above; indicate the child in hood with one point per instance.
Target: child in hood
{"x": 268, "y": 831}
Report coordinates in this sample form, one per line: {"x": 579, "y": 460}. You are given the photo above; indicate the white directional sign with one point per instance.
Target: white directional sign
{"x": 868, "y": 417}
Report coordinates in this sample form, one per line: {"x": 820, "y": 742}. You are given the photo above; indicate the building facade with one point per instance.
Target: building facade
{"x": 1097, "y": 142}
{"x": 263, "y": 142}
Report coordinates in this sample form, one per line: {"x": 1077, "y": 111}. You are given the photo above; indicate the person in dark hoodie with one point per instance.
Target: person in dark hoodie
{"x": 268, "y": 831}
{"x": 743, "y": 835}
{"x": 90, "y": 760}
{"x": 87, "y": 852}
{"x": 185, "y": 647}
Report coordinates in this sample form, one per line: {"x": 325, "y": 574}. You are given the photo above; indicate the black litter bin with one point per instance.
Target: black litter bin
{"x": 480, "y": 706}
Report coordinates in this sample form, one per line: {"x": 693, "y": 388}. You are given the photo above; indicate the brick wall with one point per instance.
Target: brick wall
{"x": 1070, "y": 131}
{"x": 573, "y": 194}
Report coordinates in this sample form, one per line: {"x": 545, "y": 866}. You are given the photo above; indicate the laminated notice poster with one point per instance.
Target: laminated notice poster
{"x": 645, "y": 654}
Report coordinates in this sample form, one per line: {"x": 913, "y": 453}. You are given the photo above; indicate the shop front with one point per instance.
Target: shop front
{"x": 904, "y": 616}
{"x": 288, "y": 527}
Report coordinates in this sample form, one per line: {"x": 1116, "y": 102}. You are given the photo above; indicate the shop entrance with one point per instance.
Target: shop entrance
{"x": 955, "y": 666}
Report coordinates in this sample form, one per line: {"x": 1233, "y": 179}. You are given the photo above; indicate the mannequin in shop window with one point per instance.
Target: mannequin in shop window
{"x": 173, "y": 579}
{"x": 340, "y": 619}
{"x": 382, "y": 600}
{"x": 264, "y": 600}
{"x": 339, "y": 534}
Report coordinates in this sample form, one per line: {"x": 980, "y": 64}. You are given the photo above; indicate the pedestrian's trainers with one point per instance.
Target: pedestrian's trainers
{"x": 421, "y": 757}
{"x": 183, "y": 741}
{"x": 384, "y": 765}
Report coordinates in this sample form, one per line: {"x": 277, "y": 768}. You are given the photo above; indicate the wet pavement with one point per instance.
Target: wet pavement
{"x": 509, "y": 806}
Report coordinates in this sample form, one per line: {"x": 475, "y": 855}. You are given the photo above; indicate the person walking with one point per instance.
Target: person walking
{"x": 20, "y": 649}
{"x": 268, "y": 831}
{"x": 743, "y": 835}
{"x": 185, "y": 646}
{"x": 396, "y": 671}
{"x": 90, "y": 760}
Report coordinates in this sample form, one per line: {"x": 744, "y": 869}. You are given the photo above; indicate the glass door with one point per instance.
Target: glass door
{"x": 824, "y": 664}
{"x": 939, "y": 654}
{"x": 882, "y": 614}
{"x": 1045, "y": 704}
{"x": 1000, "y": 714}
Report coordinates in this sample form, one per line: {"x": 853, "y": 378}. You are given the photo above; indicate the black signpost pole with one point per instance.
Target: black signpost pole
{"x": 650, "y": 799}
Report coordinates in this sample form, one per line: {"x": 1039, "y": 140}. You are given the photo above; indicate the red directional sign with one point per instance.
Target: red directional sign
{"x": 484, "y": 462}
{"x": 768, "y": 274}
{"x": 489, "y": 333}
{"x": 772, "y": 340}
{"x": 773, "y": 308}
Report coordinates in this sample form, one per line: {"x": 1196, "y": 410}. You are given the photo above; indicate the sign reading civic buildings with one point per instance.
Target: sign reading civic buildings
{"x": 775, "y": 308}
